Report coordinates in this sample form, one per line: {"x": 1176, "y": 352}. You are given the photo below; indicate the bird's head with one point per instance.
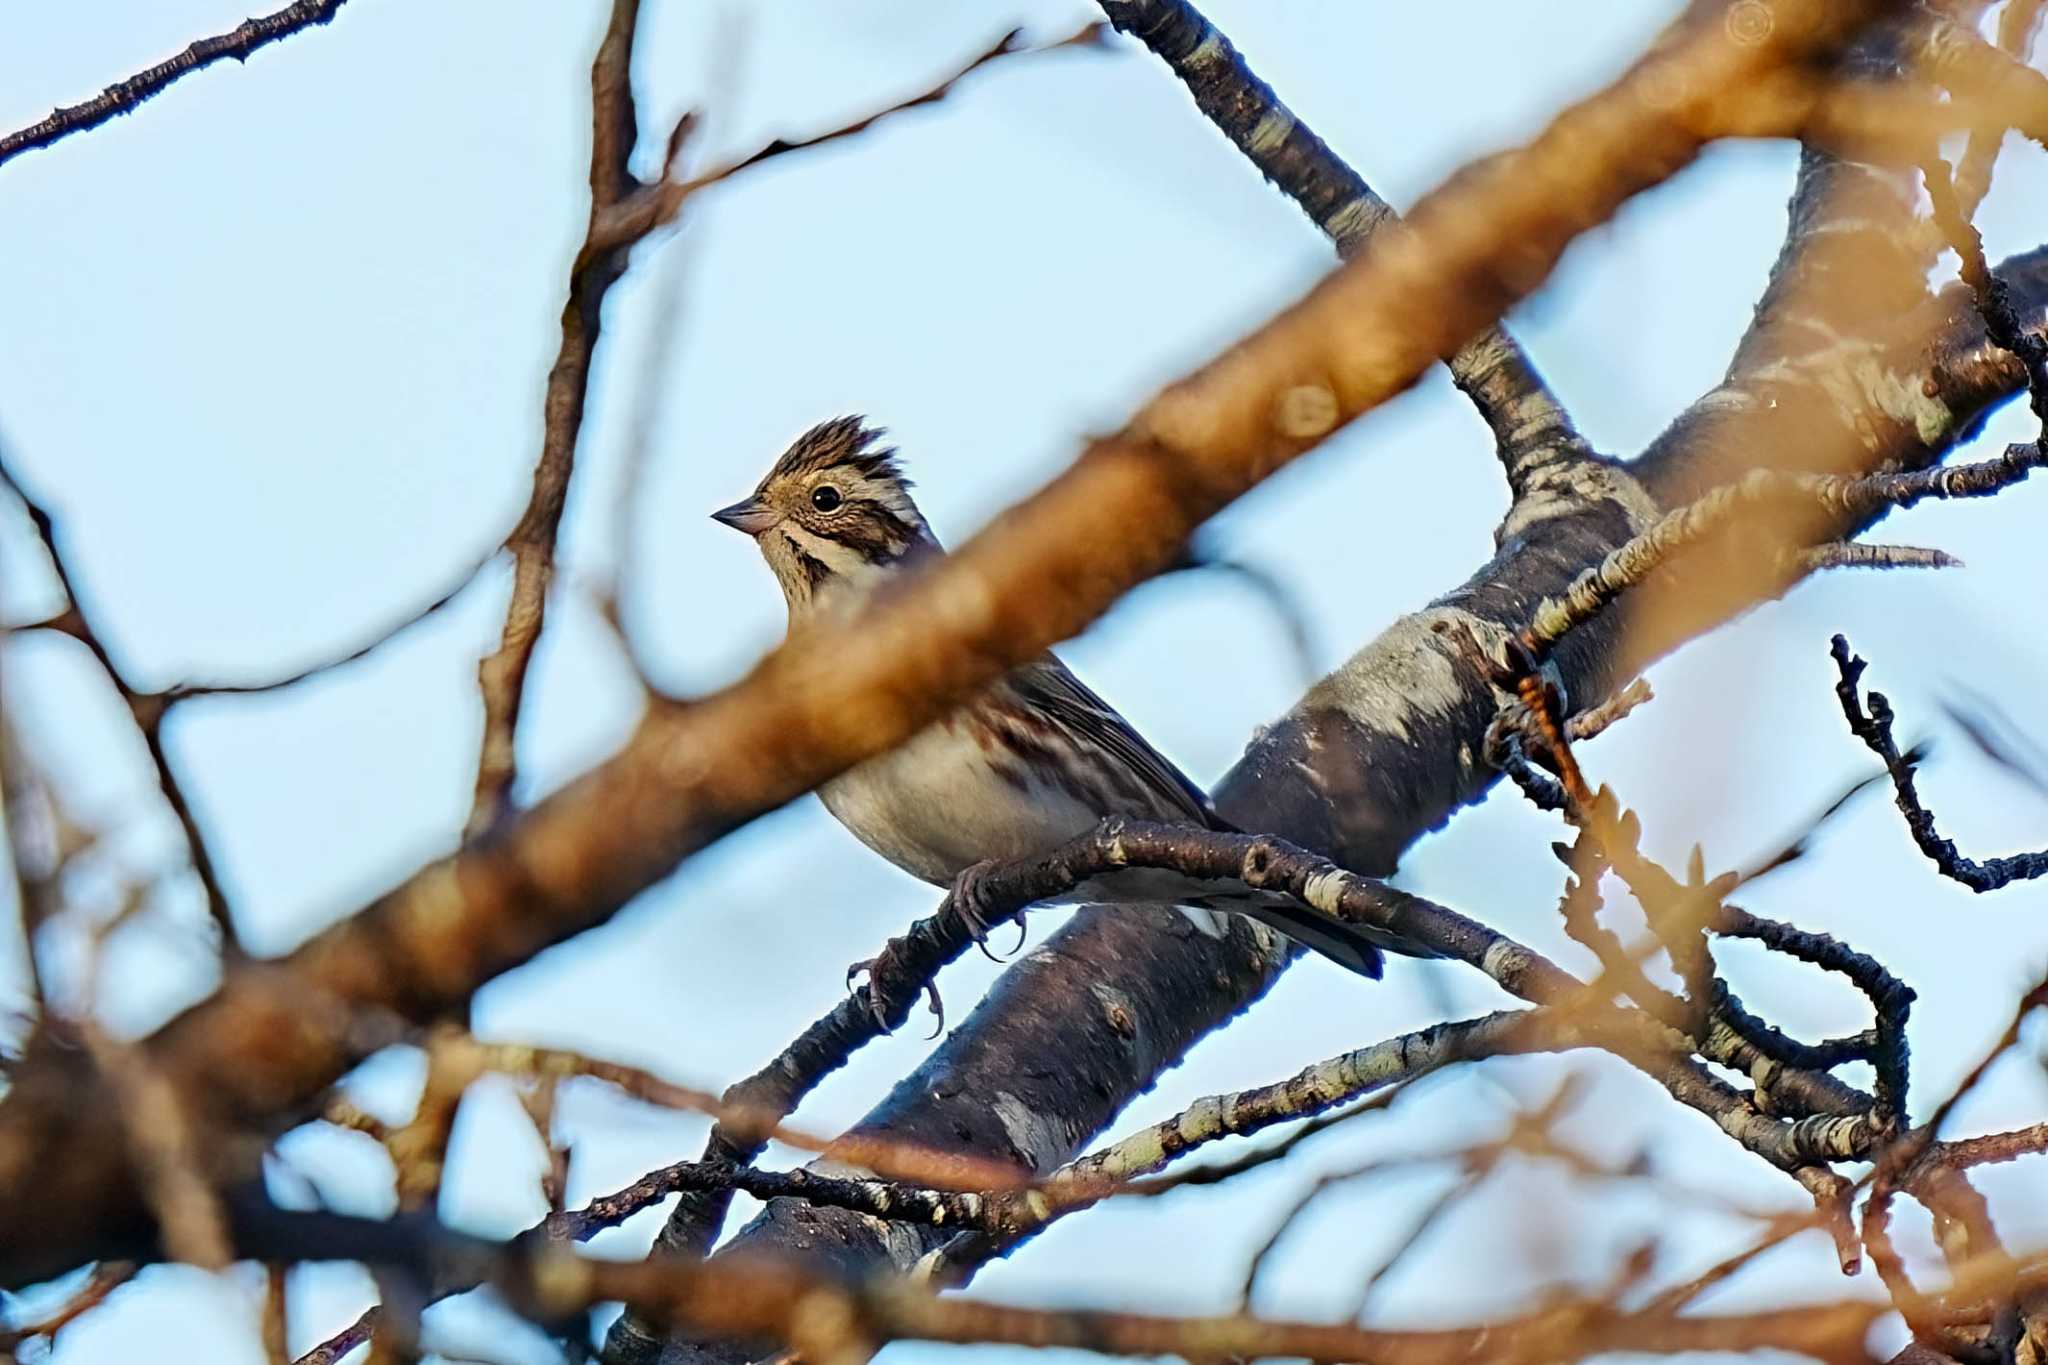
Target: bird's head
{"x": 834, "y": 514}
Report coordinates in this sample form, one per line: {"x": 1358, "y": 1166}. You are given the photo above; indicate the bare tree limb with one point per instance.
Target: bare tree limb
{"x": 1534, "y": 434}
{"x": 1874, "y": 728}
{"x": 147, "y": 709}
{"x": 568, "y": 863}
{"x": 501, "y": 676}
{"x": 1729, "y": 509}
{"x": 123, "y": 96}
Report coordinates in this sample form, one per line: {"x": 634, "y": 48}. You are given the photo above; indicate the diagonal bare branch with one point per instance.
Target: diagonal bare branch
{"x": 1534, "y": 434}
{"x": 124, "y": 96}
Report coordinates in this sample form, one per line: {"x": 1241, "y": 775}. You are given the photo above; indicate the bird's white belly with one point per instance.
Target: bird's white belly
{"x": 938, "y": 804}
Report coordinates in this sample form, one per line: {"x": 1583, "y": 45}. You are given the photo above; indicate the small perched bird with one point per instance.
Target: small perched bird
{"x": 1031, "y": 762}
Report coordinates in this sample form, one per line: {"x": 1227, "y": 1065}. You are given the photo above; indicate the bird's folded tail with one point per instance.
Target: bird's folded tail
{"x": 1343, "y": 943}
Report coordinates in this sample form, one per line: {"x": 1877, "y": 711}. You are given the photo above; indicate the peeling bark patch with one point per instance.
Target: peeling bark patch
{"x": 1406, "y": 676}
{"x": 1571, "y": 490}
{"x": 1039, "y": 1141}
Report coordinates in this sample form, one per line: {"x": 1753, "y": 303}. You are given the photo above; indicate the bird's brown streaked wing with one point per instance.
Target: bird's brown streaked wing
{"x": 1068, "y": 702}
{"x": 1065, "y": 701}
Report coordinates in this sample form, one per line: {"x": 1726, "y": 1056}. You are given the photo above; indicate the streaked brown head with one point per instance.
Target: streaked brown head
{"x": 834, "y": 513}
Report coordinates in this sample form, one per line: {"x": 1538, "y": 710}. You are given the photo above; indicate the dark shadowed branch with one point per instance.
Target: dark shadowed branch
{"x": 1682, "y": 913}
{"x": 655, "y": 206}
{"x": 1534, "y": 435}
{"x": 1874, "y": 728}
{"x": 123, "y": 96}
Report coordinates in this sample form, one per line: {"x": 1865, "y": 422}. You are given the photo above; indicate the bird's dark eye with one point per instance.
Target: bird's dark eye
{"x": 826, "y": 498}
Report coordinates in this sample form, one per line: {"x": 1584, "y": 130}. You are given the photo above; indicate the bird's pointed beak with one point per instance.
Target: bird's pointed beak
{"x": 747, "y": 516}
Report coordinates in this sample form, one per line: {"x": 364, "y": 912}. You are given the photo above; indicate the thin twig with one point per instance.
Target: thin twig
{"x": 1718, "y": 513}
{"x": 123, "y": 96}
{"x": 147, "y": 709}
{"x": 1682, "y": 913}
{"x": 1597, "y": 720}
{"x": 501, "y": 675}
{"x": 655, "y": 206}
{"x": 332, "y": 1350}
{"x": 1874, "y": 728}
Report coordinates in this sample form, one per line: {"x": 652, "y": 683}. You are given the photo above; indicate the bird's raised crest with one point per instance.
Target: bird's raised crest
{"x": 842, "y": 443}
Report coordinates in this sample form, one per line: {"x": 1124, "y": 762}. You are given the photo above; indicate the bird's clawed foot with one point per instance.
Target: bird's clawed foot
{"x": 970, "y": 901}
{"x": 881, "y": 972}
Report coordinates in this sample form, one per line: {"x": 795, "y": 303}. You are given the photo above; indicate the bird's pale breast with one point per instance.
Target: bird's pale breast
{"x": 950, "y": 797}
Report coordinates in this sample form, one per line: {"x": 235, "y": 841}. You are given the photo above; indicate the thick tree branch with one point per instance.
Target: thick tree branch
{"x": 123, "y": 96}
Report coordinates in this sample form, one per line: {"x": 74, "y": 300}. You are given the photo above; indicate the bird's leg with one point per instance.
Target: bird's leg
{"x": 888, "y": 974}
{"x": 970, "y": 901}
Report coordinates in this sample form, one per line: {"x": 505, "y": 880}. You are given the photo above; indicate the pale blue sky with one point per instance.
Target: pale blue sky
{"x": 273, "y": 349}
